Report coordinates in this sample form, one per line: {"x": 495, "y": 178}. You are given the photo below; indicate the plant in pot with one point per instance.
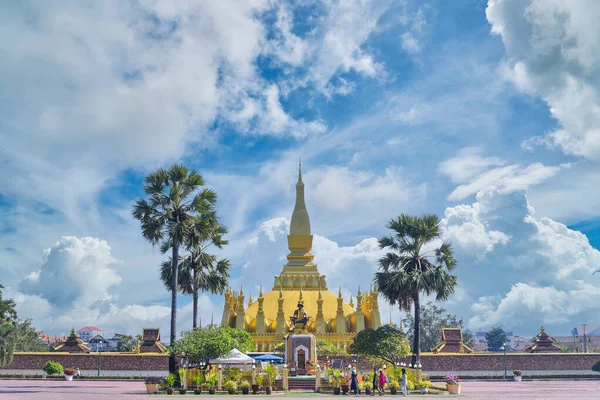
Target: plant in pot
{"x": 367, "y": 386}
{"x": 517, "y": 375}
{"x": 53, "y": 368}
{"x": 170, "y": 379}
{"x": 212, "y": 380}
{"x": 69, "y": 372}
{"x": 260, "y": 379}
{"x": 452, "y": 383}
{"x": 245, "y": 386}
{"x": 335, "y": 379}
{"x": 181, "y": 372}
{"x": 153, "y": 383}
{"x": 271, "y": 375}
{"x": 197, "y": 383}
{"x": 393, "y": 386}
{"x": 230, "y": 386}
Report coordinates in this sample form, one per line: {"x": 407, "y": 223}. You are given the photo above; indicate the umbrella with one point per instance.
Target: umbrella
{"x": 269, "y": 357}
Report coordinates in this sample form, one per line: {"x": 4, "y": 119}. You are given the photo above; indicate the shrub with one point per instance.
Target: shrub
{"x": 53, "y": 367}
{"x": 596, "y": 366}
{"x": 452, "y": 379}
{"x": 271, "y": 373}
{"x": 181, "y": 372}
{"x": 69, "y": 371}
{"x": 198, "y": 380}
{"x": 205, "y": 386}
{"x": 212, "y": 380}
{"x": 232, "y": 374}
{"x": 260, "y": 379}
{"x": 230, "y": 386}
{"x": 517, "y": 372}
{"x": 367, "y": 384}
{"x": 392, "y": 384}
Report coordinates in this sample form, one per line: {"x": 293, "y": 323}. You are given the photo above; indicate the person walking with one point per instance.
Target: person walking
{"x": 354, "y": 382}
{"x": 78, "y": 373}
{"x": 382, "y": 382}
{"x": 375, "y": 382}
{"x": 404, "y": 382}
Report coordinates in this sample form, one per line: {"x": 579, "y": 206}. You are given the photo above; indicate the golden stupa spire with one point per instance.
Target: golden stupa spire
{"x": 351, "y": 303}
{"x": 250, "y": 301}
{"x": 260, "y": 294}
{"x": 340, "y": 292}
{"x": 300, "y": 224}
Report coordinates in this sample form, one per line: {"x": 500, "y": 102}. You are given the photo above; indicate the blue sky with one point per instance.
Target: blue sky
{"x": 485, "y": 113}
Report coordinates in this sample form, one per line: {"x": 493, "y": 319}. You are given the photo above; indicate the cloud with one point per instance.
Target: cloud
{"x": 75, "y": 286}
{"x": 409, "y": 43}
{"x": 552, "y": 52}
{"x": 520, "y": 271}
{"x": 475, "y": 173}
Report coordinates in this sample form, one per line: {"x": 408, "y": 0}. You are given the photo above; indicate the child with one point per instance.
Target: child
{"x": 404, "y": 382}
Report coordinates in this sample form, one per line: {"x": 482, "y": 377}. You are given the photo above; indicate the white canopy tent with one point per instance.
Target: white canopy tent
{"x": 234, "y": 357}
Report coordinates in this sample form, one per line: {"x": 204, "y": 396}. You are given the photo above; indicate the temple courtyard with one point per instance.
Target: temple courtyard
{"x": 55, "y": 390}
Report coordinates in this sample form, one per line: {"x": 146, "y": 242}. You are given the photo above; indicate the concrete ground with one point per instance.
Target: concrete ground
{"x": 101, "y": 390}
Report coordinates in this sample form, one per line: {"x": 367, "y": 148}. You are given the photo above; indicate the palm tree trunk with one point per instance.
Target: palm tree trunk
{"x": 195, "y": 301}
{"x": 174, "y": 288}
{"x": 416, "y": 357}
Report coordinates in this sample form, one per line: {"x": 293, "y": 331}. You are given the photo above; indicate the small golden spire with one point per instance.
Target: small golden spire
{"x": 280, "y": 292}
{"x": 340, "y": 293}
{"x": 250, "y": 301}
{"x": 260, "y": 293}
{"x": 300, "y": 170}
{"x": 320, "y": 296}
{"x": 359, "y": 294}
{"x": 351, "y": 303}
{"x": 241, "y": 290}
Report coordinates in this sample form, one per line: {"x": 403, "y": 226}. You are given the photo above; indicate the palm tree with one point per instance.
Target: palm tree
{"x": 409, "y": 269}
{"x": 200, "y": 271}
{"x": 175, "y": 195}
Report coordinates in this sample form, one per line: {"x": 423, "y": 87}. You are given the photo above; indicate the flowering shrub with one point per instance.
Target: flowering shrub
{"x": 452, "y": 379}
{"x": 69, "y": 371}
{"x": 517, "y": 372}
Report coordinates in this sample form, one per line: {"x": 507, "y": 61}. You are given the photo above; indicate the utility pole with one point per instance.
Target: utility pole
{"x": 584, "y": 339}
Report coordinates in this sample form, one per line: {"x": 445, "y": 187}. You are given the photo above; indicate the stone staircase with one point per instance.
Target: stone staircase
{"x": 304, "y": 384}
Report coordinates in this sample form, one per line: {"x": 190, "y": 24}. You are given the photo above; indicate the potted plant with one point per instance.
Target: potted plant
{"x": 181, "y": 372}
{"x": 198, "y": 382}
{"x": 271, "y": 375}
{"x": 52, "y": 368}
{"x": 69, "y": 372}
{"x": 205, "y": 387}
{"x": 230, "y": 386}
{"x": 452, "y": 383}
{"x": 259, "y": 382}
{"x": 367, "y": 386}
{"x": 245, "y": 386}
{"x": 517, "y": 375}
{"x": 335, "y": 379}
{"x": 212, "y": 383}
{"x": 170, "y": 380}
{"x": 393, "y": 386}
{"x": 152, "y": 384}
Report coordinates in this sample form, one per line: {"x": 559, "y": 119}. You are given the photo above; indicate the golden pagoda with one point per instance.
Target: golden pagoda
{"x": 267, "y": 318}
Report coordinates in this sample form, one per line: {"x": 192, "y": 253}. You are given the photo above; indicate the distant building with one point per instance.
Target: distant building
{"x": 98, "y": 343}
{"x": 113, "y": 343}
{"x": 451, "y": 342}
{"x": 480, "y": 341}
{"x": 51, "y": 340}
{"x": 543, "y": 343}
{"x": 73, "y": 344}
{"x": 518, "y": 343}
{"x": 151, "y": 341}
{"x": 88, "y": 332}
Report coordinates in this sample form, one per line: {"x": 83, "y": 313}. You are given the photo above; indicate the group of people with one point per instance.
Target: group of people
{"x": 379, "y": 381}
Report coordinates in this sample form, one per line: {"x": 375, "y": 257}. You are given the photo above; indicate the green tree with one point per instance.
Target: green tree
{"x": 8, "y": 320}
{"x": 201, "y": 345}
{"x": 411, "y": 267}
{"x": 324, "y": 348}
{"x": 468, "y": 339}
{"x": 200, "y": 271}
{"x": 27, "y": 338}
{"x": 384, "y": 344}
{"x": 127, "y": 344}
{"x": 433, "y": 319}
{"x": 496, "y": 338}
{"x": 175, "y": 196}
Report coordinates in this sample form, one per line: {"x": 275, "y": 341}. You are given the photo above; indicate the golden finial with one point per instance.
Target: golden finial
{"x": 359, "y": 294}
{"x": 351, "y": 303}
{"x": 260, "y": 293}
{"x": 241, "y": 290}
{"x": 300, "y": 170}
{"x": 340, "y": 293}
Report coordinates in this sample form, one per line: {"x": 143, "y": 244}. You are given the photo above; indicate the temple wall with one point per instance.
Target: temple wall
{"x": 89, "y": 362}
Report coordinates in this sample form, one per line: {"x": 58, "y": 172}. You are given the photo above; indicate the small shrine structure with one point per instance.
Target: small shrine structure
{"x": 73, "y": 344}
{"x": 451, "y": 342}
{"x": 151, "y": 342}
{"x": 543, "y": 343}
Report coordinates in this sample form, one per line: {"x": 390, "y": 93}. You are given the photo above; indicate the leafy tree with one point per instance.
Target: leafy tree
{"x": 8, "y": 321}
{"x": 596, "y": 367}
{"x": 496, "y": 338}
{"x": 468, "y": 339}
{"x": 175, "y": 197}
{"x": 127, "y": 343}
{"x": 386, "y": 344}
{"x": 200, "y": 271}
{"x": 411, "y": 267}
{"x": 202, "y": 345}
{"x": 324, "y": 348}
{"x": 27, "y": 338}
{"x": 433, "y": 319}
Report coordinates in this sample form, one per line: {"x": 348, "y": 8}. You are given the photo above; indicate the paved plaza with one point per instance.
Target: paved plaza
{"x": 59, "y": 390}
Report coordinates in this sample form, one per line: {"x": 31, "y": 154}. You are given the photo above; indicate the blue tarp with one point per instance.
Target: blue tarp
{"x": 269, "y": 357}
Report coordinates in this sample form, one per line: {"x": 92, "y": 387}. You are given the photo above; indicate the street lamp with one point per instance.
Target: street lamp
{"x": 99, "y": 357}
{"x": 505, "y": 348}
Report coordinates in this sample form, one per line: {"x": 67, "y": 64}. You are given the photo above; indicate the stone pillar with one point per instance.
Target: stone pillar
{"x": 284, "y": 377}
{"x": 220, "y": 378}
